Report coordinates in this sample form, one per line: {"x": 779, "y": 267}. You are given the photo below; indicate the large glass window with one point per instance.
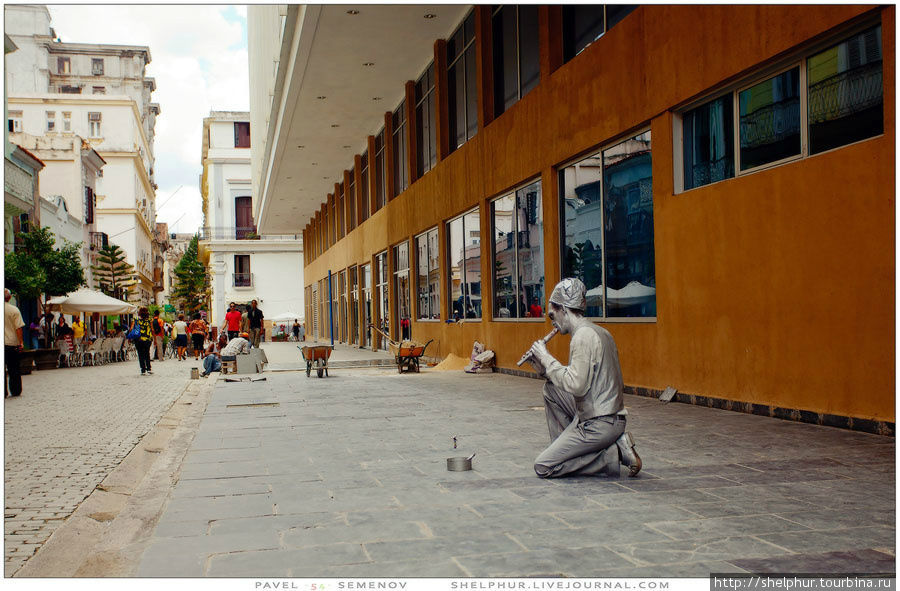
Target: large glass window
{"x": 464, "y": 252}
{"x": 846, "y": 97}
{"x": 364, "y": 188}
{"x": 366, "y": 279}
{"x": 401, "y": 149}
{"x": 341, "y": 219}
{"x": 828, "y": 99}
{"x": 585, "y": 23}
{"x": 353, "y": 324}
{"x": 426, "y": 127}
{"x": 401, "y": 316}
{"x": 607, "y": 229}
{"x": 770, "y": 120}
{"x": 709, "y": 143}
{"x": 462, "y": 91}
{"x": 517, "y": 225}
{"x": 517, "y": 67}
{"x": 381, "y": 299}
{"x": 351, "y": 200}
{"x": 428, "y": 275}
{"x": 342, "y": 284}
{"x": 380, "y": 171}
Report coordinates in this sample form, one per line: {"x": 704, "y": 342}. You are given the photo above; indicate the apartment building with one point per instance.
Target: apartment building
{"x": 243, "y": 265}
{"x": 101, "y": 94}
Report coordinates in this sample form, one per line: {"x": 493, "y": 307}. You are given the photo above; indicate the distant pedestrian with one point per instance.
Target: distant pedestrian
{"x": 12, "y": 345}
{"x": 211, "y": 361}
{"x": 232, "y": 321}
{"x": 179, "y": 331}
{"x": 404, "y": 328}
{"x": 158, "y": 328}
{"x": 303, "y": 332}
{"x": 144, "y": 340}
{"x": 255, "y": 318}
{"x": 78, "y": 330}
{"x": 296, "y": 330}
{"x": 35, "y": 336}
{"x": 198, "y": 331}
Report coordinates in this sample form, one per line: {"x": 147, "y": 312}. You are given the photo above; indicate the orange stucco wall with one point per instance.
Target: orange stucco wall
{"x": 775, "y": 288}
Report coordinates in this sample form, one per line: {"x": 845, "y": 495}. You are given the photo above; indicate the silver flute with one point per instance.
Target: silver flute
{"x": 546, "y": 340}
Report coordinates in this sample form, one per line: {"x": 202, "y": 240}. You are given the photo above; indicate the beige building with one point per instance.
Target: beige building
{"x": 60, "y": 91}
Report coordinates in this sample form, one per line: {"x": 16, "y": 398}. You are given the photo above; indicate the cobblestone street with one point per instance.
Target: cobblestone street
{"x": 70, "y": 428}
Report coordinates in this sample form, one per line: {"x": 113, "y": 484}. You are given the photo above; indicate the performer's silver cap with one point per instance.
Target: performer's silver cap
{"x": 569, "y": 293}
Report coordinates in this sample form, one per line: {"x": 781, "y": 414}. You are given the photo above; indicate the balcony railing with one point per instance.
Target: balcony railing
{"x": 99, "y": 240}
{"x": 241, "y": 233}
{"x": 242, "y": 279}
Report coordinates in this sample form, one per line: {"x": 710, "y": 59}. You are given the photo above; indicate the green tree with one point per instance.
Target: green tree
{"x": 191, "y": 289}
{"x": 112, "y": 272}
{"x": 37, "y": 268}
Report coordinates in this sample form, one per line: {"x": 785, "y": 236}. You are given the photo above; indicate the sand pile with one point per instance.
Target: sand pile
{"x": 452, "y": 363}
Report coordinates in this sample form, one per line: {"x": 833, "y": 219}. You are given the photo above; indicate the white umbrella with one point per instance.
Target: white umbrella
{"x": 288, "y": 316}
{"x": 90, "y": 301}
{"x": 633, "y": 293}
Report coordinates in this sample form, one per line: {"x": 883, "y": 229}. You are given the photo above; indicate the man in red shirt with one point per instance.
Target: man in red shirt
{"x": 232, "y": 321}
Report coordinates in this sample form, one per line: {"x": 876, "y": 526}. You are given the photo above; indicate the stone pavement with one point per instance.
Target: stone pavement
{"x": 346, "y": 477}
{"x": 70, "y": 428}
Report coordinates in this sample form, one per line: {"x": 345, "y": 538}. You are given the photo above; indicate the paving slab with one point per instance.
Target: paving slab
{"x": 347, "y": 474}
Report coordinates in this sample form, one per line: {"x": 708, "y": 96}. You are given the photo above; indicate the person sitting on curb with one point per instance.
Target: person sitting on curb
{"x": 229, "y": 352}
{"x": 584, "y": 400}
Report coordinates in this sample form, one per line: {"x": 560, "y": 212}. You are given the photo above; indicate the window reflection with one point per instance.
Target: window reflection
{"x": 607, "y": 218}
{"x": 464, "y": 252}
{"x": 427, "y": 277}
{"x": 518, "y": 263}
{"x": 770, "y": 120}
{"x": 846, "y": 102}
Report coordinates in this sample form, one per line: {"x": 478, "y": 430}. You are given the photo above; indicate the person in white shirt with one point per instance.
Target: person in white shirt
{"x": 12, "y": 345}
{"x": 179, "y": 331}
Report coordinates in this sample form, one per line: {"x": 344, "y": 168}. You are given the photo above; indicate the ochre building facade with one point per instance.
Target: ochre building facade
{"x": 722, "y": 178}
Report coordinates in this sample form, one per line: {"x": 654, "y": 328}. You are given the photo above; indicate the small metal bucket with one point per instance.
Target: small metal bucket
{"x": 195, "y": 373}
{"x": 460, "y": 464}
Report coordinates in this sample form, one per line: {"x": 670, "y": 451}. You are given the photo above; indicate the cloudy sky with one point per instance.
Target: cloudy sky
{"x": 199, "y": 61}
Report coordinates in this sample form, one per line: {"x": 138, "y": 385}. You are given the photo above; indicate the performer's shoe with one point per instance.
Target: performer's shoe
{"x": 629, "y": 455}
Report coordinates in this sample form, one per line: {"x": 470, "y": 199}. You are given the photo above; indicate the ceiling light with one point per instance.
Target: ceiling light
{"x": 368, "y": 64}
{"x": 345, "y": 147}
{"x": 352, "y": 12}
{"x": 324, "y": 178}
{"x": 335, "y": 125}
{"x": 288, "y": 177}
{"x": 321, "y": 98}
{"x": 430, "y": 15}
{"x": 314, "y": 164}
{"x": 301, "y": 147}
{"x": 376, "y": 98}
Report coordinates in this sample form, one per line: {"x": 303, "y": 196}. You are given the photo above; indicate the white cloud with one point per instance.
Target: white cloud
{"x": 199, "y": 61}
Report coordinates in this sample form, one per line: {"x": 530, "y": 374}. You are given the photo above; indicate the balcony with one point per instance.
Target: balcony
{"x": 242, "y": 279}
{"x": 99, "y": 240}
{"x": 241, "y": 233}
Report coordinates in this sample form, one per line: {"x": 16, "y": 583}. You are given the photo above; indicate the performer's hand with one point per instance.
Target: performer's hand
{"x": 539, "y": 351}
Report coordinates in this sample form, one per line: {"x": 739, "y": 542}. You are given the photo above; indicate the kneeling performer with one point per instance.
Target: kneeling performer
{"x": 584, "y": 402}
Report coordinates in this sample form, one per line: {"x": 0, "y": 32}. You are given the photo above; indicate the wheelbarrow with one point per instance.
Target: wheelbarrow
{"x": 406, "y": 353}
{"x": 316, "y": 355}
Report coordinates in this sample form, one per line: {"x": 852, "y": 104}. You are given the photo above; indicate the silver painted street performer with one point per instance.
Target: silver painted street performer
{"x": 584, "y": 401}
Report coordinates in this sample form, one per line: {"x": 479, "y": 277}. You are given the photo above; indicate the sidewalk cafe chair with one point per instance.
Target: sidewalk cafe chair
{"x": 93, "y": 352}
{"x": 66, "y": 355}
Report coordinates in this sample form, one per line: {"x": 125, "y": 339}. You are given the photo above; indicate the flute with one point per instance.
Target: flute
{"x": 546, "y": 340}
